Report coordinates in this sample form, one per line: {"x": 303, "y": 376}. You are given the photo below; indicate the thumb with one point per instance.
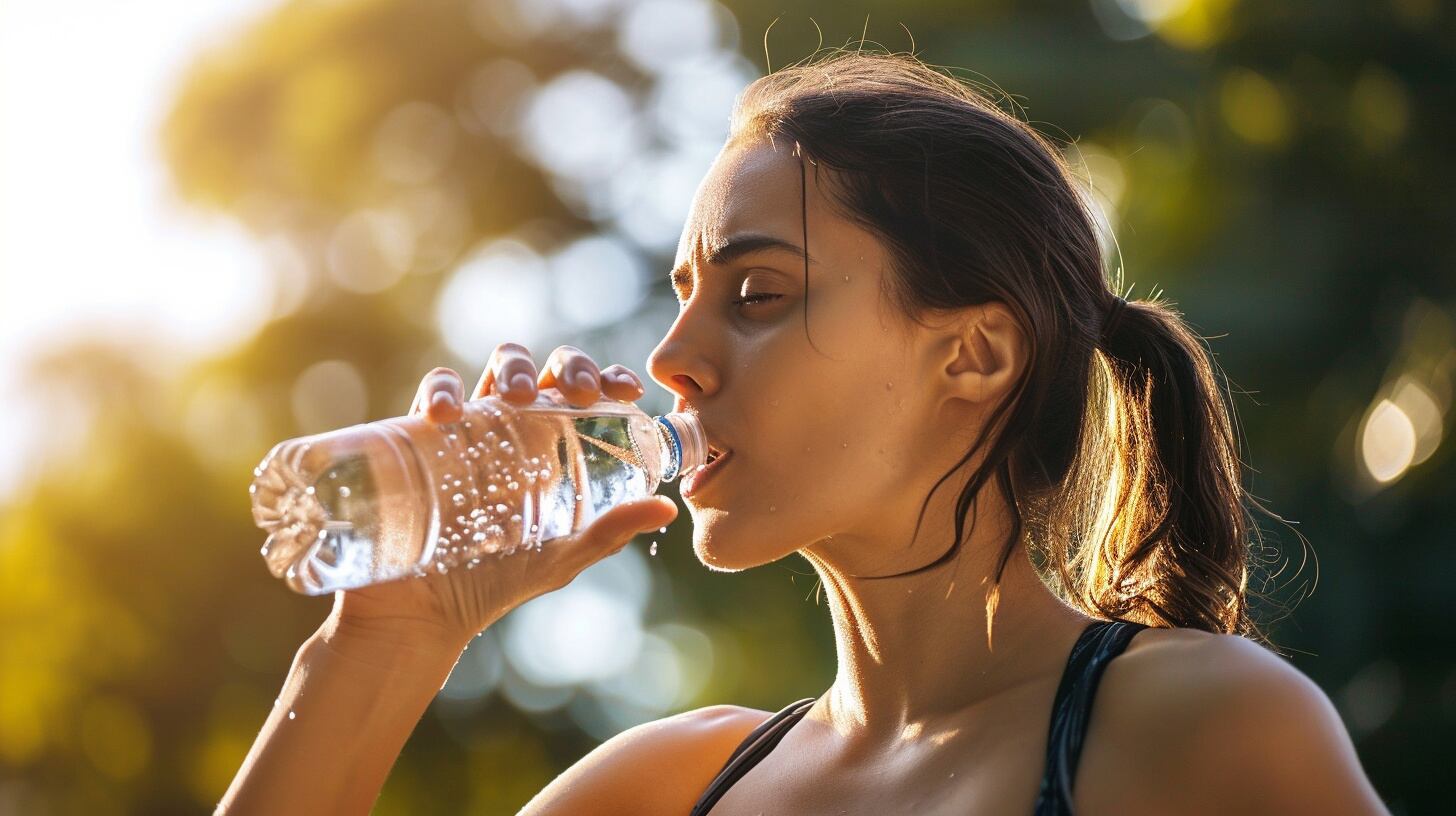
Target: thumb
{"x": 619, "y": 524}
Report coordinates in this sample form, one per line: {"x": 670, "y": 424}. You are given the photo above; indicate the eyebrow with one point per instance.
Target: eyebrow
{"x": 734, "y": 248}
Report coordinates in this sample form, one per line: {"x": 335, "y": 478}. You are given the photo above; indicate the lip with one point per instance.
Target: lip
{"x": 693, "y": 483}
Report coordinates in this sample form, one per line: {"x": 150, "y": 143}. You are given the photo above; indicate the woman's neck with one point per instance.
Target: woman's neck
{"x": 915, "y": 650}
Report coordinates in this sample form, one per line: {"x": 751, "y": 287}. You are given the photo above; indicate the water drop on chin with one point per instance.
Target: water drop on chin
{"x": 291, "y": 715}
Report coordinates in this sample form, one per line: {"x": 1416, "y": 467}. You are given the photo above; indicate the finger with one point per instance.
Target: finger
{"x": 612, "y": 530}
{"x": 619, "y": 383}
{"x": 438, "y": 398}
{"x": 511, "y": 372}
{"x": 570, "y": 371}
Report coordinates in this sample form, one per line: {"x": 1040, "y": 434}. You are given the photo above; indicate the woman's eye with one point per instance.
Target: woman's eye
{"x": 758, "y": 298}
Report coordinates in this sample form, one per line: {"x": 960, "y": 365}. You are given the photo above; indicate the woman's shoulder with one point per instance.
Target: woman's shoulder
{"x": 1188, "y": 720}
{"x": 661, "y": 766}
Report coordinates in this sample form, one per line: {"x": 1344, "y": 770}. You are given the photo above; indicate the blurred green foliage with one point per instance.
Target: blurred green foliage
{"x": 1282, "y": 171}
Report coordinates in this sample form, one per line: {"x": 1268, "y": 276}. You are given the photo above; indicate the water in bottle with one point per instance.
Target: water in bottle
{"x": 388, "y": 499}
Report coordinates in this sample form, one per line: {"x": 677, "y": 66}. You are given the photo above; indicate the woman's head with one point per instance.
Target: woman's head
{"x": 940, "y": 293}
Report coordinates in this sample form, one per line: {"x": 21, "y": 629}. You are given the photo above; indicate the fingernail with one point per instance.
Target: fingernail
{"x": 441, "y": 400}
{"x": 586, "y": 381}
{"x": 520, "y": 381}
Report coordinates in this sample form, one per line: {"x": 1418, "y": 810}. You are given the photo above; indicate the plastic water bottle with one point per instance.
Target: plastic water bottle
{"x": 398, "y": 497}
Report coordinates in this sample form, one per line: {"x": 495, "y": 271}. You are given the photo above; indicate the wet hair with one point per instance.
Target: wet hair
{"x": 1116, "y": 454}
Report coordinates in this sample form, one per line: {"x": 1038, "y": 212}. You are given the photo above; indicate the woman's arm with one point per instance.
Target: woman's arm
{"x": 351, "y": 700}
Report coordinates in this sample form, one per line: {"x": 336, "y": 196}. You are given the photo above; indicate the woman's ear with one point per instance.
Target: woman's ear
{"x": 983, "y": 353}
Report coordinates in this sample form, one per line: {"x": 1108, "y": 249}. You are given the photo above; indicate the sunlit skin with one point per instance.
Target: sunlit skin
{"x": 834, "y": 446}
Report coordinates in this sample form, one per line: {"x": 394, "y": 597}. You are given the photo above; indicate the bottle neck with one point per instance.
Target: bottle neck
{"x": 684, "y": 444}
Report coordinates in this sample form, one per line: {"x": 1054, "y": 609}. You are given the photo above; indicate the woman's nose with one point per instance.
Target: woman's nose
{"x": 681, "y": 371}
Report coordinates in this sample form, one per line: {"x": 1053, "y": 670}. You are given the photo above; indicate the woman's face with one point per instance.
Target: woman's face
{"x": 835, "y": 443}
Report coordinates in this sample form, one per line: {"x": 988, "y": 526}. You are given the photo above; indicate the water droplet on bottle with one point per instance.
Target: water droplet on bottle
{"x": 440, "y": 567}
{"x": 653, "y": 549}
{"x": 661, "y": 529}
{"x": 345, "y": 492}
{"x": 772, "y": 509}
{"x": 501, "y": 508}
{"x": 292, "y": 714}
{"x": 515, "y": 518}
{"x": 452, "y": 437}
{"x": 846, "y": 277}
{"x": 514, "y": 486}
{"x": 456, "y": 483}
{"x": 252, "y": 488}
{"x": 440, "y": 454}
{"x": 534, "y": 528}
{"x": 264, "y": 550}
{"x": 889, "y": 385}
{"x": 578, "y": 497}
{"x": 490, "y": 488}
{"x": 309, "y": 490}
{"x": 458, "y": 498}
{"x": 478, "y": 538}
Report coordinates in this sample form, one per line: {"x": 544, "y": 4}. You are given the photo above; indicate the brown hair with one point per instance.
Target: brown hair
{"x": 1117, "y": 454}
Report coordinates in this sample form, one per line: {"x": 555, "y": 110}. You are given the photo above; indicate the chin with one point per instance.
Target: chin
{"x": 724, "y": 553}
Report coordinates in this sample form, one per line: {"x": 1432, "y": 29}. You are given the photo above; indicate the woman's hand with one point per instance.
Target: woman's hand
{"x": 444, "y": 611}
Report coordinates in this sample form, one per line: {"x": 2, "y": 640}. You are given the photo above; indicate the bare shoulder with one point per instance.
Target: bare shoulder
{"x": 657, "y": 767}
{"x": 1192, "y": 721}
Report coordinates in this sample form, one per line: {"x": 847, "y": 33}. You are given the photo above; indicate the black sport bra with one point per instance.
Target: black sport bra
{"x": 1098, "y": 644}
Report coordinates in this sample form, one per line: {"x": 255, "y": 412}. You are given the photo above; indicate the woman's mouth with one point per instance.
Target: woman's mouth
{"x": 693, "y": 482}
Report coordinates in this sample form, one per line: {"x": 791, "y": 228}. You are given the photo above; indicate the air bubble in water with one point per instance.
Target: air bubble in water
{"x": 458, "y": 498}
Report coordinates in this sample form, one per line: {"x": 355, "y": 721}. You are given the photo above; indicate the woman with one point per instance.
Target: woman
{"x": 1005, "y": 475}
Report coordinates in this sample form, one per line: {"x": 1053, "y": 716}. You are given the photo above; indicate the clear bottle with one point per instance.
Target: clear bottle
{"x": 398, "y": 497}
